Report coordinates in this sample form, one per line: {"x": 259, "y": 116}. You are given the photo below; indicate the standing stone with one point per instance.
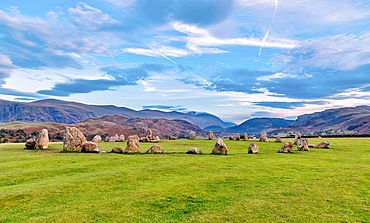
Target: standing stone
{"x": 263, "y": 137}
{"x": 324, "y": 144}
{"x": 73, "y": 140}
{"x": 117, "y": 149}
{"x": 194, "y": 150}
{"x": 97, "y": 139}
{"x": 30, "y": 143}
{"x": 237, "y": 136}
{"x": 112, "y": 138}
{"x": 156, "y": 139}
{"x": 107, "y": 139}
{"x": 210, "y": 135}
{"x": 149, "y": 134}
{"x": 286, "y": 148}
{"x": 278, "y": 139}
{"x": 121, "y": 138}
{"x": 90, "y": 147}
{"x": 297, "y": 136}
{"x": 192, "y": 134}
{"x": 302, "y": 145}
{"x": 220, "y": 147}
{"x": 253, "y": 148}
{"x": 155, "y": 149}
{"x": 172, "y": 138}
{"x": 42, "y": 141}
{"x": 245, "y": 136}
{"x": 133, "y": 145}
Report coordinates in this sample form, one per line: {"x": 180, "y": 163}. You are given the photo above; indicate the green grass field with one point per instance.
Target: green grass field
{"x": 322, "y": 185}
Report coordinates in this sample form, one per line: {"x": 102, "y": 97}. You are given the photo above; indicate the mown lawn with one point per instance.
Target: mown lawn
{"x": 322, "y": 185}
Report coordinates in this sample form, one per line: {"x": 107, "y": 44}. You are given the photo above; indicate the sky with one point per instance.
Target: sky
{"x": 235, "y": 59}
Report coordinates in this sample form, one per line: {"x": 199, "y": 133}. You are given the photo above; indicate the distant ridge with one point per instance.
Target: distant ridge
{"x": 256, "y": 125}
{"x": 58, "y": 111}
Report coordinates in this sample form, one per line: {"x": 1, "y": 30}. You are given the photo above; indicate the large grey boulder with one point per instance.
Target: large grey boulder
{"x": 194, "y": 150}
{"x": 278, "y": 139}
{"x": 253, "y": 148}
{"x": 42, "y": 141}
{"x": 97, "y": 139}
{"x": 133, "y": 145}
{"x": 30, "y": 143}
{"x": 297, "y": 136}
{"x": 155, "y": 149}
{"x": 287, "y": 147}
{"x": 302, "y": 144}
{"x": 121, "y": 138}
{"x": 74, "y": 140}
{"x": 324, "y": 144}
{"x": 245, "y": 136}
{"x": 220, "y": 147}
{"x": 117, "y": 149}
{"x": 210, "y": 135}
{"x": 192, "y": 134}
{"x": 90, "y": 147}
{"x": 263, "y": 137}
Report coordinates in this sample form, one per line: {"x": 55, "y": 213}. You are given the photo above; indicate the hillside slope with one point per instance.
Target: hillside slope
{"x": 256, "y": 125}
{"x": 58, "y": 111}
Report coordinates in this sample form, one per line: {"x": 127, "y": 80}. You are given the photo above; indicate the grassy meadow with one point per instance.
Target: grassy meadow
{"x": 322, "y": 185}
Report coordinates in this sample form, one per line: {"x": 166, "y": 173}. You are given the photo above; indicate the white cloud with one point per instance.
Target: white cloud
{"x": 121, "y": 3}
{"x": 342, "y": 52}
{"x": 90, "y": 17}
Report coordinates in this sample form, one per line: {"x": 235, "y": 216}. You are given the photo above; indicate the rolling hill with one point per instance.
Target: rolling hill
{"x": 58, "y": 111}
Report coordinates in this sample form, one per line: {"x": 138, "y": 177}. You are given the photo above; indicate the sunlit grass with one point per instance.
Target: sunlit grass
{"x": 322, "y": 185}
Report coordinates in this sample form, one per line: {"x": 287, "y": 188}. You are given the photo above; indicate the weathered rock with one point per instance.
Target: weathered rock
{"x": 121, "y": 138}
{"x": 278, "y": 139}
{"x": 42, "y": 141}
{"x": 102, "y": 152}
{"x": 302, "y": 144}
{"x": 192, "y": 134}
{"x": 107, "y": 139}
{"x": 286, "y": 148}
{"x": 237, "y": 136}
{"x": 117, "y": 149}
{"x": 324, "y": 144}
{"x": 97, "y": 139}
{"x": 73, "y": 140}
{"x": 155, "y": 149}
{"x": 220, "y": 147}
{"x": 149, "y": 134}
{"x": 311, "y": 145}
{"x": 253, "y": 148}
{"x": 231, "y": 138}
{"x": 30, "y": 143}
{"x": 263, "y": 137}
{"x": 113, "y": 138}
{"x": 194, "y": 150}
{"x": 90, "y": 147}
{"x": 245, "y": 136}
{"x": 156, "y": 138}
{"x": 210, "y": 135}
{"x": 172, "y": 138}
{"x": 133, "y": 145}
{"x": 297, "y": 136}
{"x": 144, "y": 139}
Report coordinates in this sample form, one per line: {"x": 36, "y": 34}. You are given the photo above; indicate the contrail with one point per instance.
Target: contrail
{"x": 162, "y": 55}
{"x": 267, "y": 33}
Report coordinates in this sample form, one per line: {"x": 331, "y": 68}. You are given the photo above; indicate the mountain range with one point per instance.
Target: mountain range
{"x": 58, "y": 111}
{"x": 349, "y": 120}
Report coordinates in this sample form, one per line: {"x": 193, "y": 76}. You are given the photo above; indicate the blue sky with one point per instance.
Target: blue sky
{"x": 235, "y": 59}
